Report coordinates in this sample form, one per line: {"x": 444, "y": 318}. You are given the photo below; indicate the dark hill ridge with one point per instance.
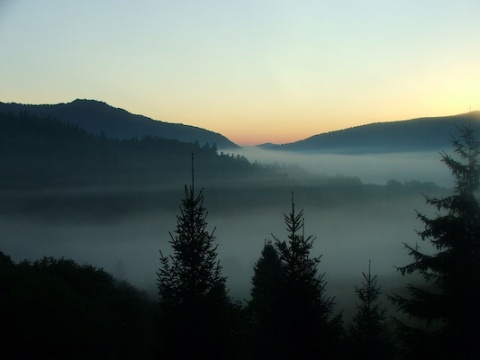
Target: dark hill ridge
{"x": 43, "y": 153}
{"x": 421, "y": 134}
{"x": 98, "y": 117}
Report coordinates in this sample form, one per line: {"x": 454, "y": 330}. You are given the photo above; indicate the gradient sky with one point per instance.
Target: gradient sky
{"x": 255, "y": 71}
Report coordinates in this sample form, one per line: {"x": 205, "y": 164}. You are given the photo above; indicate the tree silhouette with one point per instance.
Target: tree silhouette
{"x": 267, "y": 306}
{"x": 58, "y": 309}
{"x": 310, "y": 329}
{"x": 192, "y": 291}
{"x": 449, "y": 303}
{"x": 368, "y": 327}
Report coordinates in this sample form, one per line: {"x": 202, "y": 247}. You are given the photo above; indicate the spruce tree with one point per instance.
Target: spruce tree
{"x": 266, "y": 308}
{"x": 192, "y": 291}
{"x": 310, "y": 329}
{"x": 449, "y": 302}
{"x": 368, "y": 327}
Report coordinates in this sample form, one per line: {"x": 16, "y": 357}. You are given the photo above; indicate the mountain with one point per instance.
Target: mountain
{"x": 420, "y": 134}
{"x": 44, "y": 153}
{"x": 98, "y": 117}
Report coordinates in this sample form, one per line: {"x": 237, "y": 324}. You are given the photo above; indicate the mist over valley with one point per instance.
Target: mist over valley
{"x": 239, "y": 180}
{"x": 377, "y": 168}
{"x": 349, "y": 233}
{"x": 112, "y": 203}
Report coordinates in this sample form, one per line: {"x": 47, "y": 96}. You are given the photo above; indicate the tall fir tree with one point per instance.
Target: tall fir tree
{"x": 192, "y": 292}
{"x": 368, "y": 330}
{"x": 449, "y": 303}
{"x": 266, "y": 307}
{"x": 311, "y": 330}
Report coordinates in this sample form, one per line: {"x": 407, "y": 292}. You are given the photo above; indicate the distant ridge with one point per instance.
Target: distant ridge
{"x": 97, "y": 117}
{"x": 422, "y": 134}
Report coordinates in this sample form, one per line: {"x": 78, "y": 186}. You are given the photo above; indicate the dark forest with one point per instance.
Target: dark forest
{"x": 60, "y": 308}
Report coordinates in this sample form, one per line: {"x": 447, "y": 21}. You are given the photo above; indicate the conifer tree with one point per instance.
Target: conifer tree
{"x": 266, "y": 308}
{"x": 368, "y": 327}
{"x": 310, "y": 329}
{"x": 192, "y": 291}
{"x": 449, "y": 302}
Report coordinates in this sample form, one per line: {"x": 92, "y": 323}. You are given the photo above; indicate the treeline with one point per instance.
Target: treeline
{"x": 45, "y": 153}
{"x": 59, "y": 309}
{"x": 98, "y": 205}
{"x": 290, "y": 316}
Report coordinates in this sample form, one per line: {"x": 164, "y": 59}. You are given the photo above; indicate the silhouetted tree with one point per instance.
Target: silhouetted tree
{"x": 57, "y": 309}
{"x": 267, "y": 306}
{"x": 311, "y": 330}
{"x": 368, "y": 330}
{"x": 449, "y": 303}
{"x": 193, "y": 296}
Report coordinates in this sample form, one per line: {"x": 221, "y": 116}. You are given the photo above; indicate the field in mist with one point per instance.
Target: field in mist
{"x": 353, "y": 224}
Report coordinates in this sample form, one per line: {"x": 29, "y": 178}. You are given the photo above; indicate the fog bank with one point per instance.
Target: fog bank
{"x": 348, "y": 236}
{"x": 369, "y": 168}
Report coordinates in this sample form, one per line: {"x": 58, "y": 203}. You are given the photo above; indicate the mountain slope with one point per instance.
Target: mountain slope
{"x": 409, "y": 135}
{"x": 98, "y": 117}
{"x": 44, "y": 153}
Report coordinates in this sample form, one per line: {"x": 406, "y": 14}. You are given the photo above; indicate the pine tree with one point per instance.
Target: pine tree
{"x": 267, "y": 279}
{"x": 192, "y": 291}
{"x": 266, "y": 307}
{"x": 311, "y": 331}
{"x": 449, "y": 302}
{"x": 368, "y": 327}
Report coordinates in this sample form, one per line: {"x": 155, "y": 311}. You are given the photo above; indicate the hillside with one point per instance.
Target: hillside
{"x": 400, "y": 136}
{"x": 45, "y": 153}
{"x": 98, "y": 117}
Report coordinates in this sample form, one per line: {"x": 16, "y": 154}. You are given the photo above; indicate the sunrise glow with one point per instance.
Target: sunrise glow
{"x": 256, "y": 72}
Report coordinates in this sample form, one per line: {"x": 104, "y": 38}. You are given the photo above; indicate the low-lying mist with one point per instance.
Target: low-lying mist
{"x": 369, "y": 168}
{"x": 122, "y": 231}
{"x": 350, "y": 231}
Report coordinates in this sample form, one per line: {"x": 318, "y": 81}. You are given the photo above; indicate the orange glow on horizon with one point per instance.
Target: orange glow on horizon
{"x": 264, "y": 138}
{"x": 288, "y": 132}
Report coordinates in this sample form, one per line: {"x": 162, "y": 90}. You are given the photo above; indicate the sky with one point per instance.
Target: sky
{"x": 255, "y": 71}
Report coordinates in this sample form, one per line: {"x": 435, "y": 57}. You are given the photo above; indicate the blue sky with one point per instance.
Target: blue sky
{"x": 255, "y": 71}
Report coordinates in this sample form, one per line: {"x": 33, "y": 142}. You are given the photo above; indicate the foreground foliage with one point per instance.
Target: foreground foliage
{"x": 448, "y": 306}
{"x": 368, "y": 330}
{"x": 192, "y": 292}
{"x": 309, "y": 327}
{"x": 57, "y": 309}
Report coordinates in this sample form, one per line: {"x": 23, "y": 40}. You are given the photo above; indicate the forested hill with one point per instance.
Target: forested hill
{"x": 423, "y": 134}
{"x": 98, "y": 117}
{"x": 45, "y": 153}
